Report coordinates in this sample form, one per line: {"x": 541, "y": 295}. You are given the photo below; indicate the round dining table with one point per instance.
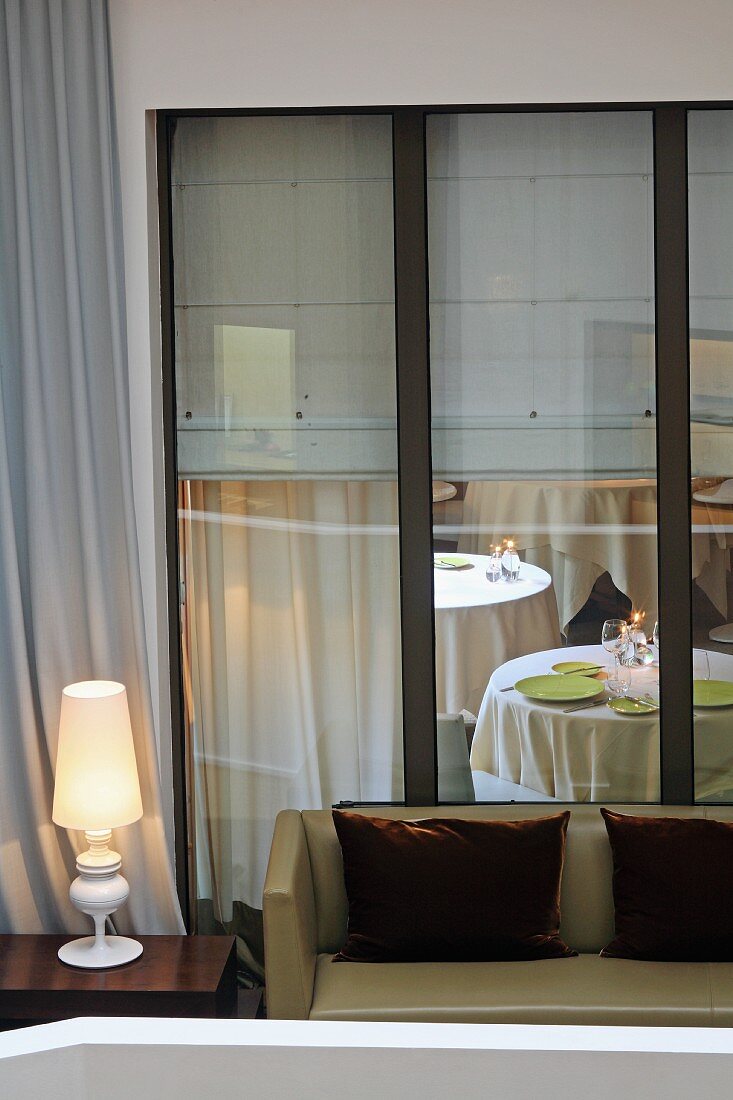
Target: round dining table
{"x": 480, "y": 624}
{"x": 574, "y": 529}
{"x": 593, "y": 754}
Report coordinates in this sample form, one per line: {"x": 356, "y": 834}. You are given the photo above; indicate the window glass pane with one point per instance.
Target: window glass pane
{"x": 543, "y": 435}
{"x": 287, "y": 460}
{"x": 710, "y": 164}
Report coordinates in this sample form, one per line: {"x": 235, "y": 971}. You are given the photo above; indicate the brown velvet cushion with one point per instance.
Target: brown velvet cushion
{"x": 672, "y": 888}
{"x": 439, "y": 890}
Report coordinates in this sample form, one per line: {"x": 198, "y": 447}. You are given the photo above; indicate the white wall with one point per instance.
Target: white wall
{"x": 318, "y": 1060}
{"x": 248, "y": 53}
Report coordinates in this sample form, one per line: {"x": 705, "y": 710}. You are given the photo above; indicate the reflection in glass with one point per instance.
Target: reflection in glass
{"x": 541, "y": 265}
{"x": 710, "y": 198}
{"x": 287, "y": 459}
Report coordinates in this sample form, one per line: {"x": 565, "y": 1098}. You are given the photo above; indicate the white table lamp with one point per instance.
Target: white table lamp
{"x": 97, "y": 790}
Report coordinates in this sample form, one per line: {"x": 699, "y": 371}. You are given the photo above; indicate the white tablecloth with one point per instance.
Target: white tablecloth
{"x": 592, "y": 755}
{"x": 480, "y": 625}
{"x": 710, "y": 548}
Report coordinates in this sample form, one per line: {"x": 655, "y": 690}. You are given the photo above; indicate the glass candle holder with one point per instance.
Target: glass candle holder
{"x": 493, "y": 573}
{"x": 638, "y": 653}
{"x": 510, "y": 563}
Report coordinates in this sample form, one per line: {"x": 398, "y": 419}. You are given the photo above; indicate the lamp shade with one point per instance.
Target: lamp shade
{"x": 97, "y": 785}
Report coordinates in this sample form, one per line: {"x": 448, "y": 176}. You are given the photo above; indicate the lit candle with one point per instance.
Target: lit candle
{"x": 637, "y": 627}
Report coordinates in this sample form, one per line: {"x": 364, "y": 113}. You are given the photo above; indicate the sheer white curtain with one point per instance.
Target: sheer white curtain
{"x": 291, "y": 634}
{"x": 70, "y": 597}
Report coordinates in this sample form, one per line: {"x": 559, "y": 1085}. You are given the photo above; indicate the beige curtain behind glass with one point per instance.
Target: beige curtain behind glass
{"x": 291, "y": 620}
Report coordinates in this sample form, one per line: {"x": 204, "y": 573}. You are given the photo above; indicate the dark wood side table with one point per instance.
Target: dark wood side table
{"x": 174, "y": 976}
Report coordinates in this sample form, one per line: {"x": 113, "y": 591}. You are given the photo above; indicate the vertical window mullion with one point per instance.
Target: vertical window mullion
{"x": 415, "y": 464}
{"x": 183, "y": 826}
{"x": 673, "y": 452}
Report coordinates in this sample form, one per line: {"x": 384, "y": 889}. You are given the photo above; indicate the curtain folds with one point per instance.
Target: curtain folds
{"x": 291, "y": 642}
{"x": 70, "y": 594}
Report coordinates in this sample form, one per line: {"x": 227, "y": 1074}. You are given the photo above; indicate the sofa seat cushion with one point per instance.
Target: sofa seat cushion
{"x": 721, "y": 993}
{"x": 583, "y": 990}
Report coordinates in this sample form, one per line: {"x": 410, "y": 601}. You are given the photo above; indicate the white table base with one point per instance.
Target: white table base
{"x": 479, "y": 626}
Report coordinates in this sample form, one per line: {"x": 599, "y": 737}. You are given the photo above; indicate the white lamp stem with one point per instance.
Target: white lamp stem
{"x": 100, "y": 924}
{"x": 98, "y": 841}
{"x": 98, "y": 891}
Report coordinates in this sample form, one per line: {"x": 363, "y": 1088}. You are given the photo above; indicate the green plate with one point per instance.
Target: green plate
{"x": 450, "y": 561}
{"x": 632, "y": 706}
{"x": 585, "y": 668}
{"x": 559, "y": 689}
{"x": 712, "y": 693}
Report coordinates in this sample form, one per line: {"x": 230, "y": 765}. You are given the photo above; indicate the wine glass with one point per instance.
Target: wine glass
{"x": 618, "y": 681}
{"x": 655, "y": 638}
{"x": 615, "y": 638}
{"x": 700, "y": 665}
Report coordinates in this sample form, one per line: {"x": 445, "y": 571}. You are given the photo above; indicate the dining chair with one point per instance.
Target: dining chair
{"x": 456, "y": 781}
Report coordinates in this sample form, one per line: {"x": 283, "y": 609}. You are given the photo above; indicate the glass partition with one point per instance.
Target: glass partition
{"x": 541, "y": 267}
{"x": 290, "y": 376}
{"x": 710, "y": 166}
{"x": 287, "y": 473}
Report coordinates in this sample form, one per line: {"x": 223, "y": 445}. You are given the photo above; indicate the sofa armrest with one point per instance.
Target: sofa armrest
{"x": 291, "y": 939}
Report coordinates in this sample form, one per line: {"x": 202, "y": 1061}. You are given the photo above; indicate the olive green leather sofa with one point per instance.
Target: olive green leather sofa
{"x": 305, "y": 912}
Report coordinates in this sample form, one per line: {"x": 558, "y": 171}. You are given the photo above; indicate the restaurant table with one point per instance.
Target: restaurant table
{"x": 595, "y": 754}
{"x": 479, "y": 625}
{"x": 576, "y": 530}
{"x": 443, "y": 490}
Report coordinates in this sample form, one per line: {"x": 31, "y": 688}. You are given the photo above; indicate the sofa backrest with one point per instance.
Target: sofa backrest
{"x": 586, "y": 898}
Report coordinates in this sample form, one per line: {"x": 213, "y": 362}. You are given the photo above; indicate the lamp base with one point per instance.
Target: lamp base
{"x": 97, "y": 953}
{"x": 99, "y": 891}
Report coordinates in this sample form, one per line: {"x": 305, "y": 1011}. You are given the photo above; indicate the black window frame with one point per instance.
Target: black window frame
{"x": 672, "y": 347}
